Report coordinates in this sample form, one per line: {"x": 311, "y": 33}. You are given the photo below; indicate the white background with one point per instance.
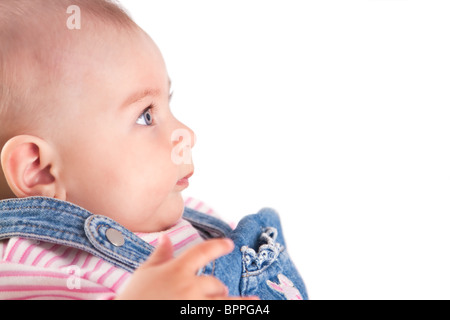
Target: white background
{"x": 335, "y": 113}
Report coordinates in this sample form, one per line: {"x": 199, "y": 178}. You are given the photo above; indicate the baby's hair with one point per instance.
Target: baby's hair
{"x": 35, "y": 39}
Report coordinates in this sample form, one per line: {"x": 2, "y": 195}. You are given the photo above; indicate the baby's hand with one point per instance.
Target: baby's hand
{"x": 163, "y": 277}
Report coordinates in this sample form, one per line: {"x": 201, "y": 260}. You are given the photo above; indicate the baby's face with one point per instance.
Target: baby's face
{"x": 119, "y": 154}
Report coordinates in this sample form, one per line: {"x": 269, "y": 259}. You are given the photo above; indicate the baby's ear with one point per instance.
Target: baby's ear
{"x": 31, "y": 168}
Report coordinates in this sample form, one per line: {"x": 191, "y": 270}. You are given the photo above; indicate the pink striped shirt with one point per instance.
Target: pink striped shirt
{"x": 38, "y": 270}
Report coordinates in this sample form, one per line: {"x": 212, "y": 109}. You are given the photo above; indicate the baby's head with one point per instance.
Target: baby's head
{"x": 84, "y": 113}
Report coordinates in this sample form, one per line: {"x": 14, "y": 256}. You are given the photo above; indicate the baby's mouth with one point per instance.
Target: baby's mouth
{"x": 184, "y": 182}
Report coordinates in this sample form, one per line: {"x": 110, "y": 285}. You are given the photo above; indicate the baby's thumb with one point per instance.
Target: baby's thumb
{"x": 162, "y": 253}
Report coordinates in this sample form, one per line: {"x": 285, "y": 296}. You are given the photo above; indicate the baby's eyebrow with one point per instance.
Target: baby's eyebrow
{"x": 141, "y": 94}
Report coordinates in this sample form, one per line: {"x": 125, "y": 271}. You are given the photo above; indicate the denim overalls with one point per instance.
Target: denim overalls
{"x": 259, "y": 264}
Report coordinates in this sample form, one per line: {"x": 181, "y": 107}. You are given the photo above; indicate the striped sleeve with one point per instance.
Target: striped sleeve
{"x": 21, "y": 282}
{"x": 199, "y": 206}
{"x": 33, "y": 270}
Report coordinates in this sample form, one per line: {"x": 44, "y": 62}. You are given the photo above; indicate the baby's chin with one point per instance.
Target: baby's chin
{"x": 164, "y": 217}
{"x": 173, "y": 210}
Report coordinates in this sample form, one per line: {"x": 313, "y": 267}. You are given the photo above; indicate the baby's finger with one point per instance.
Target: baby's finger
{"x": 211, "y": 287}
{"x": 163, "y": 252}
{"x": 197, "y": 257}
{"x": 236, "y": 298}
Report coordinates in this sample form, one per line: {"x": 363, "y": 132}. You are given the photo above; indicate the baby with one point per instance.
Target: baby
{"x": 93, "y": 166}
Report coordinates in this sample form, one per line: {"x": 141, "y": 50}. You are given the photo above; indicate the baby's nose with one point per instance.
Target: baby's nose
{"x": 183, "y": 140}
{"x": 184, "y": 134}
{"x": 193, "y": 137}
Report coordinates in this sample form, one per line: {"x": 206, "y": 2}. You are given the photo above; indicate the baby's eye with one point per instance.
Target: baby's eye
{"x": 145, "y": 119}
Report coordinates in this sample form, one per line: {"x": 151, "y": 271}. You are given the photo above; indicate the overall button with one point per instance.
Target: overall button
{"x": 115, "y": 237}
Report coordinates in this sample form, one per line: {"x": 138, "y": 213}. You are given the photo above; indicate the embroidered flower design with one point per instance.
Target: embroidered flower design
{"x": 268, "y": 252}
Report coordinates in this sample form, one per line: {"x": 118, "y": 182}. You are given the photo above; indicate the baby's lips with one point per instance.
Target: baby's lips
{"x": 184, "y": 182}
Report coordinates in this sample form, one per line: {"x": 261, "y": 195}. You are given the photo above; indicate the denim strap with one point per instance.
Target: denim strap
{"x": 208, "y": 226}
{"x": 63, "y": 223}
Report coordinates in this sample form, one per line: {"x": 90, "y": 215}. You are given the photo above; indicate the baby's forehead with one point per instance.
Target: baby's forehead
{"x": 45, "y": 40}
{"x": 52, "y": 54}
{"x": 112, "y": 65}
{"x": 39, "y": 54}
{"x": 105, "y": 52}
